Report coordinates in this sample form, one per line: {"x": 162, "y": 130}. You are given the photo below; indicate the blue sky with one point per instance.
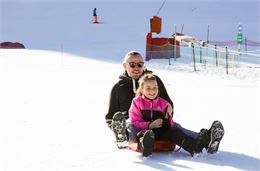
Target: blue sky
{"x": 40, "y": 24}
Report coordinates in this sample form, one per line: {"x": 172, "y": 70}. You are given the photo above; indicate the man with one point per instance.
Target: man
{"x": 120, "y": 101}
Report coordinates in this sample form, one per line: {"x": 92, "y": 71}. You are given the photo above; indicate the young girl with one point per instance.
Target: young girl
{"x": 151, "y": 116}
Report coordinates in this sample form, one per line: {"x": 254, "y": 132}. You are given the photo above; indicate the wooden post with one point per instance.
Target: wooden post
{"x": 226, "y": 61}
{"x": 194, "y": 60}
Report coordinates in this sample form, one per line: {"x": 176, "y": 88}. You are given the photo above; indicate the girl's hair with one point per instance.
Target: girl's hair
{"x": 142, "y": 80}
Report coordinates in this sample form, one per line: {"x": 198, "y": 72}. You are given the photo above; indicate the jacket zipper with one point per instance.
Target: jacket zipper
{"x": 151, "y": 107}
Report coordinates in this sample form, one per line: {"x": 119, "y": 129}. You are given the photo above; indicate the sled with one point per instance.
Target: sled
{"x": 159, "y": 146}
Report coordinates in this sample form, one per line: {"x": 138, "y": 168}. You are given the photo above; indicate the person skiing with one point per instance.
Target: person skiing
{"x": 121, "y": 96}
{"x": 95, "y": 17}
{"x": 150, "y": 116}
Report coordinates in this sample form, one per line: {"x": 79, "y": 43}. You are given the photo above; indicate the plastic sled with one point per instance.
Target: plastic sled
{"x": 159, "y": 146}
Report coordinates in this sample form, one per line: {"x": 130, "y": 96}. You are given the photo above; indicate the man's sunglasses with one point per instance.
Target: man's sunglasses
{"x": 133, "y": 64}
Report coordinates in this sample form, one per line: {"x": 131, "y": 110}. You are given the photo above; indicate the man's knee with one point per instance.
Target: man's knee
{"x": 131, "y": 132}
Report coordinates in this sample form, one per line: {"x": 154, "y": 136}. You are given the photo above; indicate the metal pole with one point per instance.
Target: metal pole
{"x": 216, "y": 55}
{"x": 226, "y": 61}
{"x": 194, "y": 62}
{"x": 182, "y": 28}
{"x": 208, "y": 35}
{"x": 207, "y": 42}
{"x": 200, "y": 54}
{"x": 160, "y": 8}
{"x": 175, "y": 28}
{"x": 246, "y": 44}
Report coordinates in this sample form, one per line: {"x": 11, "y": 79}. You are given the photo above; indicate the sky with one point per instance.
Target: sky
{"x": 66, "y": 25}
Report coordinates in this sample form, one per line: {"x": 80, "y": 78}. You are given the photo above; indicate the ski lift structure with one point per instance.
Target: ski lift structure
{"x": 160, "y": 47}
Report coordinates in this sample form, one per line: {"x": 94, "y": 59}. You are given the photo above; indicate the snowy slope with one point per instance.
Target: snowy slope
{"x": 53, "y": 100}
{"x": 53, "y": 106}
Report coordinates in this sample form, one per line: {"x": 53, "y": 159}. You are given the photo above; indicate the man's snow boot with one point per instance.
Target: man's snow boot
{"x": 216, "y": 134}
{"x": 203, "y": 140}
{"x": 146, "y": 143}
{"x": 189, "y": 144}
{"x": 118, "y": 126}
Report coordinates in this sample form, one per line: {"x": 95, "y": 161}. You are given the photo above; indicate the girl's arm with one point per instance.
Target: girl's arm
{"x": 136, "y": 117}
{"x": 168, "y": 110}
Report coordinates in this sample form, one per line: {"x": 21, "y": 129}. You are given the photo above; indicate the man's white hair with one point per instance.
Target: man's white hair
{"x": 130, "y": 54}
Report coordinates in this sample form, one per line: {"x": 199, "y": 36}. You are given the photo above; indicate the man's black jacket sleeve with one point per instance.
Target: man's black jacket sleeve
{"x": 162, "y": 90}
{"x": 113, "y": 105}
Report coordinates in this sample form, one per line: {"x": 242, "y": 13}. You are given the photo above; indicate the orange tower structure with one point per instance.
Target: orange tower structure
{"x": 160, "y": 47}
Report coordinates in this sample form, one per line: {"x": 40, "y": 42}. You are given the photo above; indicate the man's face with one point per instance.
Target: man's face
{"x": 134, "y": 66}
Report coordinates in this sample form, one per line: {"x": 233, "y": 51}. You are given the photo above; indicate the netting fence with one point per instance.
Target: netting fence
{"x": 223, "y": 55}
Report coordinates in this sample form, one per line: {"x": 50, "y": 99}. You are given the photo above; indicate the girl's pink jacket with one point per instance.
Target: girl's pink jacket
{"x": 143, "y": 111}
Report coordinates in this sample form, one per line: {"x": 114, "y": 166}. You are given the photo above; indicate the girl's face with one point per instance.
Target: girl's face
{"x": 150, "y": 89}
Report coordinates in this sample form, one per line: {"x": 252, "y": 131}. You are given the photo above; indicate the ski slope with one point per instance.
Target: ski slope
{"x": 53, "y": 106}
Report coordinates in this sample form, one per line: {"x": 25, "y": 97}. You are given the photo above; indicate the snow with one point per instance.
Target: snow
{"x": 54, "y": 95}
